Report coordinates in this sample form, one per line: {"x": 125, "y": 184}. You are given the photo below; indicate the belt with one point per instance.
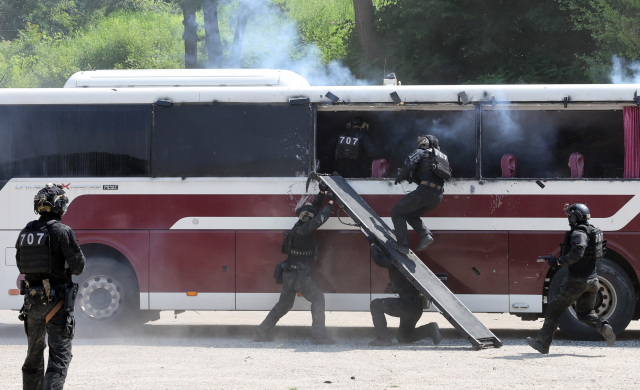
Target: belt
{"x": 432, "y": 185}
{"x": 301, "y": 253}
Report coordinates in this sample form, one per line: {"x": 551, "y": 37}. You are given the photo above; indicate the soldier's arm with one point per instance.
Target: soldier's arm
{"x": 579, "y": 242}
{"x": 370, "y": 149}
{"x": 316, "y": 222}
{"x": 71, "y": 250}
{"x": 380, "y": 258}
{"x": 410, "y": 164}
{"x": 18, "y": 252}
{"x": 317, "y": 201}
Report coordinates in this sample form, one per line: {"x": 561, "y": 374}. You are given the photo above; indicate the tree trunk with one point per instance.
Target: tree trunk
{"x": 214, "y": 43}
{"x": 244, "y": 12}
{"x": 190, "y": 34}
{"x": 365, "y": 29}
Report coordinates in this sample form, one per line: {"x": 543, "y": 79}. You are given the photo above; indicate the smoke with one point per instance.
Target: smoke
{"x": 624, "y": 71}
{"x": 271, "y": 40}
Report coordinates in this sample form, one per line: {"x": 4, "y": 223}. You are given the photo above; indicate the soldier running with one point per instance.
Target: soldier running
{"x": 583, "y": 246}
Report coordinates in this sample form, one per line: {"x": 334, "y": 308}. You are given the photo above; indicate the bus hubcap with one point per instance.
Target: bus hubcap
{"x": 100, "y": 297}
{"x": 606, "y": 300}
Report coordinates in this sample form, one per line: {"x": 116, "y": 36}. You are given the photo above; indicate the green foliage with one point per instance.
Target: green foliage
{"x": 124, "y": 40}
{"x": 471, "y": 41}
{"x": 615, "y": 24}
{"x": 55, "y": 16}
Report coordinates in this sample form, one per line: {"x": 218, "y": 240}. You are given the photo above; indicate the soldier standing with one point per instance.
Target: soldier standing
{"x": 48, "y": 254}
{"x": 428, "y": 167}
{"x": 408, "y": 306}
{"x": 355, "y": 151}
{"x": 582, "y": 247}
{"x": 294, "y": 273}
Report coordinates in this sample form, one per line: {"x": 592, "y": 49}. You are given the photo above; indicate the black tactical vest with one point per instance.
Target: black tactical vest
{"x": 435, "y": 161}
{"x": 349, "y": 146}
{"x": 299, "y": 246}
{"x": 35, "y": 249}
{"x": 594, "y": 251}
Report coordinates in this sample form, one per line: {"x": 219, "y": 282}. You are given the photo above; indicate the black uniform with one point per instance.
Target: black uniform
{"x": 580, "y": 252}
{"x": 354, "y": 154}
{"x": 407, "y": 306}
{"x": 66, "y": 259}
{"x": 296, "y": 277}
{"x": 417, "y": 168}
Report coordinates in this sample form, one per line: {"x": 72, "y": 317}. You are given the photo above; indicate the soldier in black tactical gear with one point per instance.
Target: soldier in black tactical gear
{"x": 294, "y": 273}
{"x": 355, "y": 151}
{"x": 48, "y": 254}
{"x": 408, "y": 306}
{"x": 428, "y": 167}
{"x": 582, "y": 247}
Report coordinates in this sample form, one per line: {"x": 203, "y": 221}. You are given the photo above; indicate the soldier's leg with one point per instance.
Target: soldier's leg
{"x": 380, "y": 307}
{"x": 399, "y": 215}
{"x": 59, "y": 335}
{"x": 282, "y": 307}
{"x": 428, "y": 201}
{"x": 584, "y": 311}
{"x": 411, "y": 313}
{"x": 33, "y": 367}
{"x": 313, "y": 294}
{"x": 568, "y": 293}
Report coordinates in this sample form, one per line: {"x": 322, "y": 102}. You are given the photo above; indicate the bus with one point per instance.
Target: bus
{"x": 182, "y": 182}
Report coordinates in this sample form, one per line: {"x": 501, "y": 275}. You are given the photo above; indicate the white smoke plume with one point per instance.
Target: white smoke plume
{"x": 624, "y": 71}
{"x": 271, "y": 40}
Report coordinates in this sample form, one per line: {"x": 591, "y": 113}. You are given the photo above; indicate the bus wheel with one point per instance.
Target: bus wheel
{"x": 615, "y": 301}
{"x": 108, "y": 296}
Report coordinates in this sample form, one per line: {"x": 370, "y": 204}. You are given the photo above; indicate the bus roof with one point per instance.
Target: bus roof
{"x": 149, "y": 78}
{"x": 282, "y": 86}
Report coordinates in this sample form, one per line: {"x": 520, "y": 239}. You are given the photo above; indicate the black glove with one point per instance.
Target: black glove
{"x": 372, "y": 239}
{"x": 551, "y": 259}
{"x": 329, "y": 195}
{"x": 398, "y": 181}
{"x": 323, "y": 187}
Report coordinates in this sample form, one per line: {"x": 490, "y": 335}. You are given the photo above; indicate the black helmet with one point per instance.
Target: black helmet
{"x": 577, "y": 213}
{"x": 434, "y": 141}
{"x": 358, "y": 123}
{"x": 50, "y": 199}
{"x": 307, "y": 212}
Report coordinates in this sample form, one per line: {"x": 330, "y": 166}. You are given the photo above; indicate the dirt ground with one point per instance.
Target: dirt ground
{"x": 214, "y": 350}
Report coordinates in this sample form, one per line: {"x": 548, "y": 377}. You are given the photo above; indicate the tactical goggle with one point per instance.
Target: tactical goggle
{"x": 363, "y": 126}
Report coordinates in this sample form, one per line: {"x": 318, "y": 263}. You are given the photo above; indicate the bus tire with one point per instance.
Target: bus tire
{"x": 108, "y": 297}
{"x": 615, "y": 302}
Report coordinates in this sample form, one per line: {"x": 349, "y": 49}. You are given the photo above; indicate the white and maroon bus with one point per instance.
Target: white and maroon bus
{"x": 182, "y": 182}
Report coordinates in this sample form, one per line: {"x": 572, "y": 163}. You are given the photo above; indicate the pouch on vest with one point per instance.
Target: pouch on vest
{"x": 597, "y": 244}
{"x": 348, "y": 147}
{"x": 441, "y": 165}
{"x": 287, "y": 242}
{"x": 35, "y": 249}
{"x": 277, "y": 273}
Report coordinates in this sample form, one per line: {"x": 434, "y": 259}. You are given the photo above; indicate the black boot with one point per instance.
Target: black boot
{"x": 538, "y": 345}
{"x": 607, "y": 332}
{"x": 380, "y": 343}
{"x": 263, "y": 336}
{"x": 434, "y": 333}
{"x": 424, "y": 243}
{"x": 400, "y": 248}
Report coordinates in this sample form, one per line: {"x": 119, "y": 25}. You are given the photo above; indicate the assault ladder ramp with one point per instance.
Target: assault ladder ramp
{"x": 410, "y": 265}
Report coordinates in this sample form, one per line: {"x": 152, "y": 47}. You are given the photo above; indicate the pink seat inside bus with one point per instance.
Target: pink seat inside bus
{"x": 380, "y": 168}
{"x": 509, "y": 165}
{"x": 576, "y": 163}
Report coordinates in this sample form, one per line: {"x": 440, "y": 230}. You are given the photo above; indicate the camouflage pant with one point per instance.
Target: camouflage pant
{"x": 575, "y": 289}
{"x": 60, "y": 333}
{"x": 409, "y": 308}
{"x": 292, "y": 282}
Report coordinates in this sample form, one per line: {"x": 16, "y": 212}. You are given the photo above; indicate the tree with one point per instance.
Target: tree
{"x": 212, "y": 31}
{"x": 190, "y": 33}
{"x": 475, "y": 41}
{"x": 365, "y": 29}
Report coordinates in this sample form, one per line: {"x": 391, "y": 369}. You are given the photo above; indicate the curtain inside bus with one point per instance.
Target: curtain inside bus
{"x": 632, "y": 142}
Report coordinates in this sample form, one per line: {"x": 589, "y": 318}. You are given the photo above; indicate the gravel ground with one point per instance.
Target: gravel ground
{"x": 213, "y": 350}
